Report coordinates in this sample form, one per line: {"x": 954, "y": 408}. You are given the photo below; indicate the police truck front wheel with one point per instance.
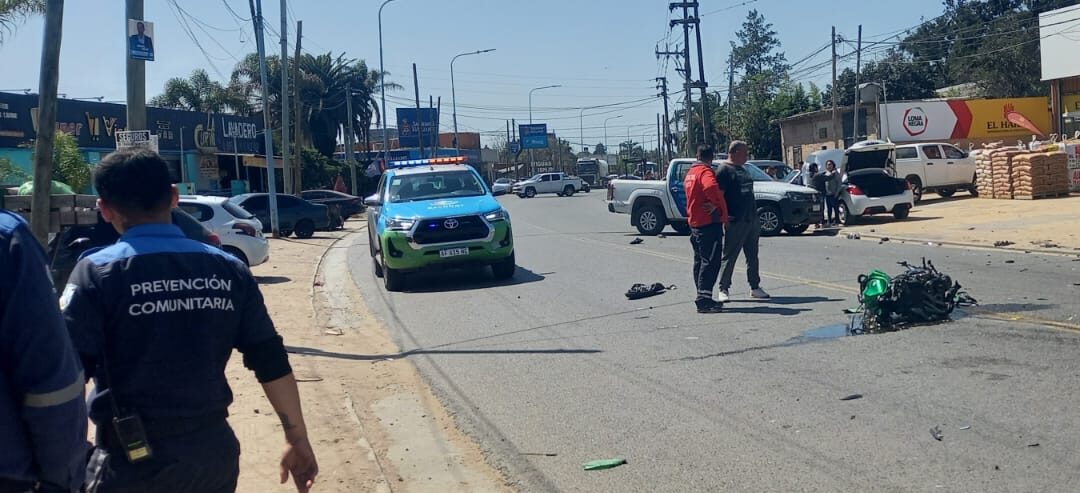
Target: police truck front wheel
{"x": 393, "y": 279}
{"x": 504, "y": 270}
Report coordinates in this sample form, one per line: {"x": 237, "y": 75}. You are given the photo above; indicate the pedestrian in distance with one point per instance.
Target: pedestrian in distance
{"x": 817, "y": 182}
{"x": 707, "y": 213}
{"x": 42, "y": 411}
{"x": 833, "y": 185}
{"x": 155, "y": 318}
{"x": 804, "y": 173}
{"x": 743, "y": 229}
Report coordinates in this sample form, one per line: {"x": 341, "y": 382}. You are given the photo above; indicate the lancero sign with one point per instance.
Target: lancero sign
{"x": 965, "y": 119}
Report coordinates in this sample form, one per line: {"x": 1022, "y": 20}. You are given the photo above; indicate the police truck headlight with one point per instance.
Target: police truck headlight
{"x": 497, "y": 215}
{"x": 399, "y": 224}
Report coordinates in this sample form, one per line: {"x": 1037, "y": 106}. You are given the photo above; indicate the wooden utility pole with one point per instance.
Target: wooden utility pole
{"x": 40, "y": 202}
{"x": 420, "y": 122}
{"x": 298, "y": 142}
{"x": 838, "y": 138}
{"x": 667, "y": 130}
{"x": 136, "y": 74}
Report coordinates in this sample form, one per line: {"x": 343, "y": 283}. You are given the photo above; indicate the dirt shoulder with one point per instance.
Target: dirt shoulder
{"x": 374, "y": 423}
{"x": 1051, "y": 224}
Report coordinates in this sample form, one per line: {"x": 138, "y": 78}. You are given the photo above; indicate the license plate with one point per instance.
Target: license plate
{"x": 816, "y": 207}
{"x": 453, "y": 252}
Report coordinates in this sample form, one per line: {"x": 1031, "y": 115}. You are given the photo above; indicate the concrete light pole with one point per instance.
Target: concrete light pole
{"x": 453, "y": 94}
{"x": 382, "y": 87}
{"x": 531, "y": 91}
{"x": 605, "y": 134}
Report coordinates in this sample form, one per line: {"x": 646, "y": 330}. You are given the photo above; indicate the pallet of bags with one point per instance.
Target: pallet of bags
{"x": 1038, "y": 175}
{"x": 1001, "y": 173}
{"x": 984, "y": 173}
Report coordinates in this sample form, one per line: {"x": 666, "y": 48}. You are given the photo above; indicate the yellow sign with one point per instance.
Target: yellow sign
{"x": 1072, "y": 103}
{"x": 1008, "y": 117}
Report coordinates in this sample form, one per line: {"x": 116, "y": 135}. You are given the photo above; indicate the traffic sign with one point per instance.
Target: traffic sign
{"x": 515, "y": 147}
{"x": 533, "y": 136}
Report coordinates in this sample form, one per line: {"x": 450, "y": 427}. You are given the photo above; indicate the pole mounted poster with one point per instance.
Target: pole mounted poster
{"x": 140, "y": 40}
{"x": 533, "y": 136}
{"x": 416, "y": 125}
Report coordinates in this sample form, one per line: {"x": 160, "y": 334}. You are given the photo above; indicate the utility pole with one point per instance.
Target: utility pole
{"x": 730, "y": 93}
{"x": 268, "y": 140}
{"x": 858, "y": 68}
{"x": 420, "y": 130}
{"x": 835, "y": 116}
{"x": 667, "y": 131}
{"x": 49, "y": 79}
{"x": 136, "y": 75}
{"x": 298, "y": 177}
{"x": 349, "y": 155}
{"x": 706, "y": 117}
{"x": 659, "y": 144}
{"x": 686, "y": 70}
{"x": 286, "y": 170}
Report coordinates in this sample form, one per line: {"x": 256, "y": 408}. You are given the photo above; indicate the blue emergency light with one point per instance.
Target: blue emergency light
{"x": 410, "y": 163}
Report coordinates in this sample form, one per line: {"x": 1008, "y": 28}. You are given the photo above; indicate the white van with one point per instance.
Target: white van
{"x": 936, "y": 167}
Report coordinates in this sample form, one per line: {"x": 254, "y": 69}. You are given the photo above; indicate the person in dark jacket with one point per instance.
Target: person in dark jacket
{"x": 833, "y": 185}
{"x": 707, "y": 215}
{"x": 155, "y": 318}
{"x": 42, "y": 412}
{"x": 744, "y": 229}
{"x": 817, "y": 182}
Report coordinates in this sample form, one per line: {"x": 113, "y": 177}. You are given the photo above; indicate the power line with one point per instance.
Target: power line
{"x": 717, "y": 11}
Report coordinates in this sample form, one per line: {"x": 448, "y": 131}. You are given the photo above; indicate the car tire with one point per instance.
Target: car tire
{"x": 681, "y": 228}
{"x": 770, "y": 220}
{"x": 796, "y": 229}
{"x": 845, "y": 215}
{"x": 285, "y": 233}
{"x": 568, "y": 191}
{"x": 916, "y": 187}
{"x": 946, "y": 192}
{"x": 649, "y": 220}
{"x": 236, "y": 252}
{"x": 585, "y": 187}
{"x": 530, "y": 192}
{"x": 560, "y": 194}
{"x": 377, "y": 266}
{"x": 504, "y": 270}
{"x": 974, "y": 188}
{"x": 393, "y": 279}
{"x": 305, "y": 229}
{"x": 901, "y": 211}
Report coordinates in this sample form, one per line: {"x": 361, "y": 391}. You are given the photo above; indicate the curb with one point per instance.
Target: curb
{"x": 1042, "y": 251}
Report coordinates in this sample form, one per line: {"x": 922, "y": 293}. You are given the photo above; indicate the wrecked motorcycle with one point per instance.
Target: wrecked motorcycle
{"x": 921, "y": 294}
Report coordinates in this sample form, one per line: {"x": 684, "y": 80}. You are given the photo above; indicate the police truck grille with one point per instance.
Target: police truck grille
{"x": 437, "y": 231}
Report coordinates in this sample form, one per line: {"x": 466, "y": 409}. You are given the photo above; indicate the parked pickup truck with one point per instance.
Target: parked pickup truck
{"x": 560, "y": 184}
{"x": 654, "y": 204}
{"x": 935, "y": 167}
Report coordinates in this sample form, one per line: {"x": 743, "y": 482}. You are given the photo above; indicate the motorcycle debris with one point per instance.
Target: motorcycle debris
{"x": 936, "y": 433}
{"x": 851, "y": 397}
{"x": 1003, "y": 243}
{"x": 1036, "y": 444}
{"x": 637, "y": 241}
{"x": 965, "y": 427}
{"x": 603, "y": 464}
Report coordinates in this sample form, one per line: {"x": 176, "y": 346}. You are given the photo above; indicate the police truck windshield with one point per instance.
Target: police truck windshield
{"x": 429, "y": 186}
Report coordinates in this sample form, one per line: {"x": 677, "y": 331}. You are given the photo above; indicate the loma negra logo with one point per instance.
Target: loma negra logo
{"x": 915, "y": 121}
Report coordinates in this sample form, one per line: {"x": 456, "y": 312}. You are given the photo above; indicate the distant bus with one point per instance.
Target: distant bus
{"x": 592, "y": 170}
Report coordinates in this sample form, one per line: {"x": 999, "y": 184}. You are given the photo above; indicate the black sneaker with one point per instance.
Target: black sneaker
{"x": 709, "y": 306}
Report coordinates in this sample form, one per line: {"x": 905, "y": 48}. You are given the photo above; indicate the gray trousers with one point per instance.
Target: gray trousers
{"x": 741, "y": 236}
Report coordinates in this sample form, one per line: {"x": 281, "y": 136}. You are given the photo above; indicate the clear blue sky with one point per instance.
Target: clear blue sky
{"x": 600, "y": 51}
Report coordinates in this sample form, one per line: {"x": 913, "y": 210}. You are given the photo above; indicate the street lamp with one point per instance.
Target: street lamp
{"x": 531, "y": 91}
{"x": 382, "y": 87}
{"x": 605, "y": 133}
{"x": 453, "y": 94}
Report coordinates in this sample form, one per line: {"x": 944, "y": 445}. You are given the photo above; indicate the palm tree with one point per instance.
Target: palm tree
{"x": 199, "y": 93}
{"x": 14, "y": 12}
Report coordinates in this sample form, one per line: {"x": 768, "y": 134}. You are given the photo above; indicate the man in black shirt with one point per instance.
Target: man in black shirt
{"x": 743, "y": 229}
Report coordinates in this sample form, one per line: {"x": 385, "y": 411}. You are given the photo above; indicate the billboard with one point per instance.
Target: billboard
{"x": 533, "y": 136}
{"x": 1059, "y": 40}
{"x": 418, "y": 127}
{"x": 966, "y": 119}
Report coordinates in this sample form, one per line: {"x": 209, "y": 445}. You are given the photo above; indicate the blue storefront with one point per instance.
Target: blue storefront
{"x": 206, "y": 150}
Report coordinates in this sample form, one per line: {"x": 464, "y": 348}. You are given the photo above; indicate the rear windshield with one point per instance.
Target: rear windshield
{"x": 236, "y": 211}
{"x": 868, "y": 159}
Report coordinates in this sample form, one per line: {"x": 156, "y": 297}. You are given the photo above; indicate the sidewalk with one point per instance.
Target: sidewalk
{"x": 1048, "y": 225}
{"x": 373, "y": 422}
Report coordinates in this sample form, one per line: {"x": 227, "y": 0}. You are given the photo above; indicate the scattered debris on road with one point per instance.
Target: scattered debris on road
{"x": 851, "y": 397}
{"x": 854, "y": 236}
{"x": 936, "y": 433}
{"x": 637, "y": 241}
{"x": 1010, "y": 261}
{"x": 1033, "y": 444}
{"x": 639, "y": 291}
{"x": 661, "y": 235}
{"x": 603, "y": 464}
{"x": 540, "y": 454}
{"x": 1003, "y": 243}
{"x": 965, "y": 427}
{"x": 918, "y": 295}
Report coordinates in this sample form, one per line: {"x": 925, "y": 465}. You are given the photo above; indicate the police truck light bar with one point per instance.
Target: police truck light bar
{"x": 427, "y": 162}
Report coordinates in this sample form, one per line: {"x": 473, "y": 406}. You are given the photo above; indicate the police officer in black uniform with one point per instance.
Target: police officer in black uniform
{"x": 155, "y": 318}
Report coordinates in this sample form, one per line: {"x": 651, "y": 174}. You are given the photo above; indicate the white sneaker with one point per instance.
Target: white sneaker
{"x": 759, "y": 294}
{"x": 722, "y": 296}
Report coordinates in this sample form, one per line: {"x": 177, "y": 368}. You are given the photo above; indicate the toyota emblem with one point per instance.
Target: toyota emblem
{"x": 451, "y": 223}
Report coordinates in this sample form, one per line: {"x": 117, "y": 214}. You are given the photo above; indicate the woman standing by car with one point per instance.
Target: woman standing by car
{"x": 833, "y": 184}
{"x": 817, "y": 182}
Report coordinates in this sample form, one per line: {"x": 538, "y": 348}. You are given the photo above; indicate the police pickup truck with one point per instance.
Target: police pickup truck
{"x": 436, "y": 213}
{"x": 654, "y": 204}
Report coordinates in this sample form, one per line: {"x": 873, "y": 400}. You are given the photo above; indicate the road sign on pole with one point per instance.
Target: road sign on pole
{"x": 515, "y": 148}
{"x": 533, "y": 136}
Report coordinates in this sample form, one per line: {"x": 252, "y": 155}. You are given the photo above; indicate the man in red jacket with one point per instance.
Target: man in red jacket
{"x": 707, "y": 213}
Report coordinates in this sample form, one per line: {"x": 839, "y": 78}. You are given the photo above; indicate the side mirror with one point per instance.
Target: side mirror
{"x": 373, "y": 201}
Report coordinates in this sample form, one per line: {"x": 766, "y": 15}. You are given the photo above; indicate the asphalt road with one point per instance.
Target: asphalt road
{"x": 558, "y": 368}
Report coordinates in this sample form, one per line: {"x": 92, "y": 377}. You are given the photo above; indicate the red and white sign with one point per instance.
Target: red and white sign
{"x": 915, "y": 121}
{"x": 964, "y": 119}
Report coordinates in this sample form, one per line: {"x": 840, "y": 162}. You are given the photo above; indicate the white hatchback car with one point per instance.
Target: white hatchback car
{"x": 239, "y": 230}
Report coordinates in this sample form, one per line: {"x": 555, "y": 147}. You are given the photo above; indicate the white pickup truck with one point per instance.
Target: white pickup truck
{"x": 560, "y": 184}
{"x": 654, "y": 204}
{"x": 936, "y": 167}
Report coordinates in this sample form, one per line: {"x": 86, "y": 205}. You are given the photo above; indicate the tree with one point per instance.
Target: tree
{"x": 69, "y": 165}
{"x": 14, "y": 12}
{"x": 903, "y": 79}
{"x": 199, "y": 93}
{"x": 11, "y": 174}
{"x": 757, "y": 50}
{"x": 600, "y": 149}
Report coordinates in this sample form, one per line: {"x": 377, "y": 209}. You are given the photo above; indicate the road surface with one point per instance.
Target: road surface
{"x": 558, "y": 368}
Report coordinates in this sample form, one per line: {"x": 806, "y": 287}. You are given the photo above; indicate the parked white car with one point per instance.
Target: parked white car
{"x": 560, "y": 184}
{"x": 502, "y": 186}
{"x": 936, "y": 167}
{"x": 869, "y": 177}
{"x": 239, "y": 230}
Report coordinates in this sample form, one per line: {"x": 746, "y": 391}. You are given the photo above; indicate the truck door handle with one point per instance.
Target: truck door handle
{"x": 929, "y": 163}
{"x": 949, "y": 162}
{"x": 675, "y": 189}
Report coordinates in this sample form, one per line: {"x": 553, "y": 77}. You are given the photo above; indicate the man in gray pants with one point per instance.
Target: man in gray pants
{"x": 743, "y": 229}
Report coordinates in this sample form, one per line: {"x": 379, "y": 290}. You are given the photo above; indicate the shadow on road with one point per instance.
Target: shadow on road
{"x": 766, "y": 310}
{"x": 1010, "y": 307}
{"x": 888, "y": 218}
{"x": 414, "y": 352}
{"x": 478, "y": 278}
{"x": 799, "y": 300}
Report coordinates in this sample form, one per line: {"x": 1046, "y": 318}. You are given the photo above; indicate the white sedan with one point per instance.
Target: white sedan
{"x": 502, "y": 186}
{"x": 239, "y": 230}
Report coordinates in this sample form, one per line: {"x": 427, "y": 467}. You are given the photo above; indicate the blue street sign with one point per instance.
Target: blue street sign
{"x": 416, "y": 126}
{"x": 533, "y": 136}
{"x": 515, "y": 147}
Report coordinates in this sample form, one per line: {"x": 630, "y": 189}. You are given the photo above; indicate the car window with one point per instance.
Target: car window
{"x": 236, "y": 211}
{"x": 547, "y": 178}
{"x": 952, "y": 152}
{"x": 681, "y": 169}
{"x": 906, "y": 153}
{"x": 314, "y": 195}
{"x": 200, "y": 212}
{"x": 288, "y": 201}
{"x": 932, "y": 152}
{"x": 428, "y": 186}
{"x": 257, "y": 203}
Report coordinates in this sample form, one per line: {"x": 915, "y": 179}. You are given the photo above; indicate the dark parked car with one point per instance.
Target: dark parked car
{"x": 295, "y": 215}
{"x": 66, "y": 247}
{"x": 346, "y": 205}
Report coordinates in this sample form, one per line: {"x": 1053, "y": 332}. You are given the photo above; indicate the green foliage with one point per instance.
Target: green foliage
{"x": 600, "y": 149}
{"x": 10, "y": 173}
{"x": 199, "y": 93}
{"x": 69, "y": 164}
{"x": 320, "y": 171}
{"x": 14, "y": 12}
